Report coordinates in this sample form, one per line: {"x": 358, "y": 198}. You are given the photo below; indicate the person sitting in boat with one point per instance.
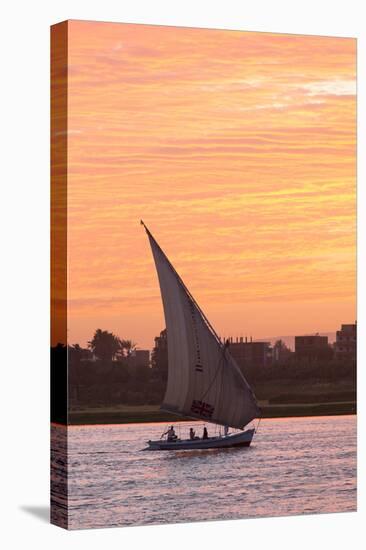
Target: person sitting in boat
{"x": 226, "y": 430}
{"x": 192, "y": 434}
{"x": 171, "y": 434}
{"x": 205, "y": 433}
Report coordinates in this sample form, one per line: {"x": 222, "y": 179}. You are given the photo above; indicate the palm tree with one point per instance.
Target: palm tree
{"x": 128, "y": 346}
{"x": 105, "y": 345}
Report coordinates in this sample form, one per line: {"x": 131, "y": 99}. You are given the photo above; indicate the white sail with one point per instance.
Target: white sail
{"x": 204, "y": 381}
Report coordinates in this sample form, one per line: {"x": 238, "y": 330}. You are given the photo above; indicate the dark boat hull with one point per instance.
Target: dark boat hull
{"x": 241, "y": 439}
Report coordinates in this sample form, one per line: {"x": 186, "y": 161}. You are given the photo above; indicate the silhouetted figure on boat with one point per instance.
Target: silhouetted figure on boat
{"x": 171, "y": 434}
{"x": 192, "y": 433}
{"x": 205, "y": 433}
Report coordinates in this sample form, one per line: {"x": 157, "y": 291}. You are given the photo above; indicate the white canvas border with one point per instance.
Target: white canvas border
{"x": 25, "y": 257}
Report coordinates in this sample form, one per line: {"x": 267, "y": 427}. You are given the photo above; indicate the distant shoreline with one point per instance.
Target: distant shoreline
{"x": 133, "y": 415}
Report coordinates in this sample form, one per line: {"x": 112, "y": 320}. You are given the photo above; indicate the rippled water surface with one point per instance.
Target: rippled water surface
{"x": 294, "y": 466}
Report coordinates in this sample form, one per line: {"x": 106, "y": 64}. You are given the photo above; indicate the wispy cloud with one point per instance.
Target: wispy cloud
{"x": 331, "y": 87}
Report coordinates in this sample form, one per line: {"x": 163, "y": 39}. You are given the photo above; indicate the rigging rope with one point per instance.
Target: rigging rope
{"x": 259, "y": 421}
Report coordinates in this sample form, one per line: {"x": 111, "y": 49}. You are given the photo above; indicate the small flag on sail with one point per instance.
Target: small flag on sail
{"x": 202, "y": 409}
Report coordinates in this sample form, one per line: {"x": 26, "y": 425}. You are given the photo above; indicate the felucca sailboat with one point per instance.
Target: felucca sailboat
{"x": 204, "y": 381}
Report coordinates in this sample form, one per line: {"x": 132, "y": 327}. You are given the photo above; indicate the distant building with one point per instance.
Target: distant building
{"x": 161, "y": 341}
{"x": 345, "y": 346}
{"x": 139, "y": 358}
{"x": 159, "y": 357}
{"x": 280, "y": 352}
{"x": 250, "y": 354}
{"x": 312, "y": 347}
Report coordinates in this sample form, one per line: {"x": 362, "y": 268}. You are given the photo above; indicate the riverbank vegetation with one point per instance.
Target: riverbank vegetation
{"x": 106, "y": 384}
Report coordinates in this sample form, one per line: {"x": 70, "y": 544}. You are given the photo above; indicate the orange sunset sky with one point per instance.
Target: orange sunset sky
{"x": 237, "y": 149}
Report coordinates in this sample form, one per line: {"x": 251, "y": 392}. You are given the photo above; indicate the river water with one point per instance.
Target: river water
{"x": 294, "y": 466}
